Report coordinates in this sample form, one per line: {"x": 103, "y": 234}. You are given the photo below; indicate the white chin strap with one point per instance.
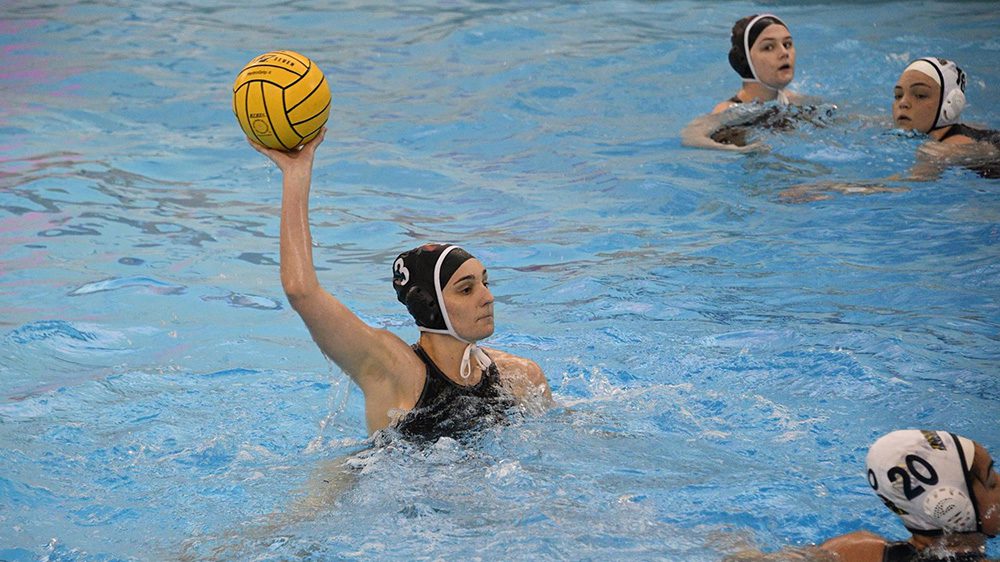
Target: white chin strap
{"x": 471, "y": 350}
{"x": 482, "y": 359}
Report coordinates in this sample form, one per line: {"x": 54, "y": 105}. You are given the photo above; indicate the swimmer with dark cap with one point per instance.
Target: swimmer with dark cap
{"x": 763, "y": 54}
{"x": 944, "y": 488}
{"x": 444, "y": 382}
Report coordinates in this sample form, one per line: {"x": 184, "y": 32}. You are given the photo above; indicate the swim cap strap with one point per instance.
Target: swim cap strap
{"x": 471, "y": 350}
{"x": 940, "y": 81}
{"x": 967, "y": 471}
{"x": 482, "y": 360}
{"x": 438, "y": 289}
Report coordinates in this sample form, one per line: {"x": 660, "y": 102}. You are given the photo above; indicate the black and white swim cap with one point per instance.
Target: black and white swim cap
{"x": 951, "y": 79}
{"x": 745, "y": 34}
{"x": 924, "y": 478}
{"x": 419, "y": 275}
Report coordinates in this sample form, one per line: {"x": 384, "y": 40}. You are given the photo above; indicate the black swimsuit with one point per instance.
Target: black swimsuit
{"x": 978, "y": 135}
{"x": 989, "y": 170}
{"x": 449, "y": 409}
{"x": 903, "y": 551}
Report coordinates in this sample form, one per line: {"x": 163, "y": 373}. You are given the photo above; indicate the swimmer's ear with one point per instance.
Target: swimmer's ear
{"x": 423, "y": 307}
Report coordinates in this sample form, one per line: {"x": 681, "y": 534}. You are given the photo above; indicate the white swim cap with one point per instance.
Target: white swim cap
{"x": 951, "y": 79}
{"x": 923, "y": 477}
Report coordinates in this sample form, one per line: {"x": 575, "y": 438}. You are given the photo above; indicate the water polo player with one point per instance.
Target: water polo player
{"x": 942, "y": 486}
{"x": 763, "y": 54}
{"x": 443, "y": 384}
{"x": 929, "y": 97}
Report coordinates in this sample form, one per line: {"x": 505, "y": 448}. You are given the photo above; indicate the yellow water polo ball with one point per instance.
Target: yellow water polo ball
{"x": 281, "y": 99}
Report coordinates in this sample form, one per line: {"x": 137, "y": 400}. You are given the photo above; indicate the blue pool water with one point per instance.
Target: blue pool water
{"x": 721, "y": 356}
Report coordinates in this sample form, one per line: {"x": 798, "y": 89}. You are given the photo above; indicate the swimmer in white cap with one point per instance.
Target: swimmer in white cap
{"x": 441, "y": 385}
{"x": 942, "y": 486}
{"x": 929, "y": 97}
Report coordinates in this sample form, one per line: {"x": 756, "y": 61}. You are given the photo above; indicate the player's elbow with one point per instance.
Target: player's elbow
{"x": 298, "y": 291}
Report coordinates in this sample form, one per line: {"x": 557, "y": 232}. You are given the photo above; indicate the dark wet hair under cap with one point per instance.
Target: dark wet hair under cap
{"x": 742, "y": 39}
{"x": 413, "y": 279}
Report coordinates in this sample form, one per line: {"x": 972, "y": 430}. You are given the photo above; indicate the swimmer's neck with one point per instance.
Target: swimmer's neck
{"x": 939, "y": 133}
{"x": 756, "y": 91}
{"x": 954, "y": 543}
{"x": 446, "y": 352}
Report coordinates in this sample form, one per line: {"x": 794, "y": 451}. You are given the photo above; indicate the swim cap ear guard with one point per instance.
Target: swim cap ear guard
{"x": 924, "y": 478}
{"x": 423, "y": 307}
{"x": 413, "y": 277}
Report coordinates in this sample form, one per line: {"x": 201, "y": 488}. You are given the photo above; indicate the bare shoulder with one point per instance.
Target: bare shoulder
{"x": 958, "y": 140}
{"x": 524, "y": 377}
{"x": 515, "y": 366}
{"x": 722, "y": 106}
{"x": 859, "y": 546}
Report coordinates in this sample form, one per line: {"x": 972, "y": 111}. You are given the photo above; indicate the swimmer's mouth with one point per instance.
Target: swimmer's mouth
{"x": 902, "y": 118}
{"x": 785, "y": 67}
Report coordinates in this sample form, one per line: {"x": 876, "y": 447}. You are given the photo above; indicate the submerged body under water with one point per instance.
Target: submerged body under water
{"x": 721, "y": 353}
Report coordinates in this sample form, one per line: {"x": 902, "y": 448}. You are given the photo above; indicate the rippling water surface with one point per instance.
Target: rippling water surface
{"x": 722, "y": 356}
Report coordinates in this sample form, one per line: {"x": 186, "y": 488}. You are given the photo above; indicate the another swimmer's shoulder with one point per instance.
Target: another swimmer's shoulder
{"x": 859, "y": 546}
{"x": 958, "y": 139}
{"x": 515, "y": 366}
{"x": 722, "y": 106}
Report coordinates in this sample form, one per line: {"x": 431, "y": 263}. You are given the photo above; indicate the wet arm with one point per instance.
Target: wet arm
{"x": 698, "y": 133}
{"x": 360, "y": 350}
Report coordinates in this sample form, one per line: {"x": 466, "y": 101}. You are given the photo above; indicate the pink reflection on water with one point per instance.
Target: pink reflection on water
{"x": 9, "y": 27}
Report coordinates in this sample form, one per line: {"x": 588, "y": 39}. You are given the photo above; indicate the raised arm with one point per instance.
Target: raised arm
{"x": 368, "y": 355}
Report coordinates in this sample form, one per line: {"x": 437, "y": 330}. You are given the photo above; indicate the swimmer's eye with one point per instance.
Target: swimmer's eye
{"x": 788, "y": 44}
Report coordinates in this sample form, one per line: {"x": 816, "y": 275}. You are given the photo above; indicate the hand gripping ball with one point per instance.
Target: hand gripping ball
{"x": 281, "y": 99}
